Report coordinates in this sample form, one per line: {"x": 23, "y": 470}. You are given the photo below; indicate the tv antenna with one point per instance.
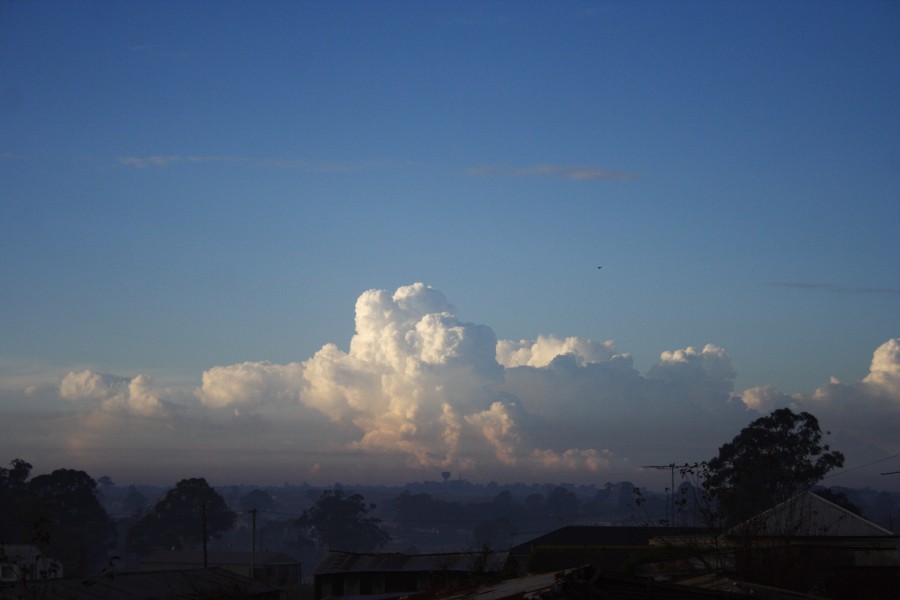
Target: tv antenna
{"x": 672, "y": 468}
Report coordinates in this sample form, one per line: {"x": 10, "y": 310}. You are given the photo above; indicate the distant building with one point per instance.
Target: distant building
{"x": 26, "y": 562}
{"x": 806, "y": 544}
{"x": 605, "y": 547}
{"x": 273, "y": 568}
{"x": 197, "y": 583}
{"x": 376, "y": 574}
{"x": 810, "y": 543}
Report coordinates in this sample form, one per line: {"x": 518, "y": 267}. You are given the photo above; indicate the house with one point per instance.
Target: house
{"x": 810, "y": 543}
{"x": 586, "y": 583}
{"x": 26, "y": 562}
{"x": 806, "y": 544}
{"x": 196, "y": 583}
{"x": 274, "y": 568}
{"x": 369, "y": 574}
{"x": 608, "y": 548}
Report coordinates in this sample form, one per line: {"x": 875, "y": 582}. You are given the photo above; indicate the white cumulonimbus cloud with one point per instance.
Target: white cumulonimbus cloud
{"x": 418, "y": 381}
{"x": 884, "y": 374}
{"x": 867, "y": 410}
{"x": 420, "y": 387}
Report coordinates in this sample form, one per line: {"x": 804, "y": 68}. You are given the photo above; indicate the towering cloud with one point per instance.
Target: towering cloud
{"x": 416, "y": 381}
{"x": 420, "y": 388}
{"x": 884, "y": 374}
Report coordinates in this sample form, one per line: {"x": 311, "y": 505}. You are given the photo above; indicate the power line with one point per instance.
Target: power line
{"x": 869, "y": 464}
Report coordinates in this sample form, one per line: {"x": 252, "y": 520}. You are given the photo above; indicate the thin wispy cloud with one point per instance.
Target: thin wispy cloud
{"x": 834, "y": 288}
{"x": 575, "y": 173}
{"x": 165, "y": 160}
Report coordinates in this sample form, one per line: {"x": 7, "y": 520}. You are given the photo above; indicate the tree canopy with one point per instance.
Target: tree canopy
{"x": 79, "y": 530}
{"x": 177, "y": 521}
{"x": 769, "y": 461}
{"x": 341, "y": 522}
{"x": 14, "y": 501}
{"x": 59, "y": 512}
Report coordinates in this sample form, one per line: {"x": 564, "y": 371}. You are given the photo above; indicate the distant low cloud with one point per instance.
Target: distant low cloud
{"x": 540, "y": 352}
{"x": 863, "y": 415}
{"x": 111, "y": 393}
{"x": 577, "y": 173}
{"x": 249, "y": 384}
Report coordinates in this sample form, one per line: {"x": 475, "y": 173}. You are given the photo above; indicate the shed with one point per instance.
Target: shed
{"x": 369, "y": 574}
{"x": 273, "y": 568}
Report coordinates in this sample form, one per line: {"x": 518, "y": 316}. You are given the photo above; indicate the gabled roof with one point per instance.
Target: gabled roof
{"x": 216, "y": 558}
{"x": 594, "y": 536}
{"x": 355, "y": 562}
{"x": 540, "y": 585}
{"x": 19, "y": 552}
{"x": 580, "y": 583}
{"x": 153, "y": 586}
{"x": 810, "y": 515}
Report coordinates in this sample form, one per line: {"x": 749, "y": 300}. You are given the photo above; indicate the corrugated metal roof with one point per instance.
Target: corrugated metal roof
{"x": 197, "y": 583}
{"x": 19, "y": 552}
{"x": 808, "y": 515}
{"x": 581, "y": 583}
{"x": 576, "y": 536}
{"x": 353, "y": 562}
{"x": 216, "y": 557}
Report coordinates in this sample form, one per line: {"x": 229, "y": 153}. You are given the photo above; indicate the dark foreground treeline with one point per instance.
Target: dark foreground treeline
{"x": 95, "y": 525}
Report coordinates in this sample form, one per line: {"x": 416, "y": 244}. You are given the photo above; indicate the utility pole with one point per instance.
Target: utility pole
{"x": 672, "y": 467}
{"x": 203, "y": 533}
{"x": 253, "y": 547}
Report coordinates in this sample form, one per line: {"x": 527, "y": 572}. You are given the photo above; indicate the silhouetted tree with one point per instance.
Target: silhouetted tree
{"x": 15, "y": 477}
{"x": 75, "y": 529}
{"x": 563, "y": 504}
{"x": 417, "y": 513}
{"x": 769, "y": 461}
{"x": 16, "y": 517}
{"x": 134, "y": 501}
{"x": 496, "y": 534}
{"x": 341, "y": 522}
{"x": 176, "y": 521}
{"x": 534, "y": 502}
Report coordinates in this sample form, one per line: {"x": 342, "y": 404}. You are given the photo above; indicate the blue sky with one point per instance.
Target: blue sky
{"x": 193, "y": 185}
